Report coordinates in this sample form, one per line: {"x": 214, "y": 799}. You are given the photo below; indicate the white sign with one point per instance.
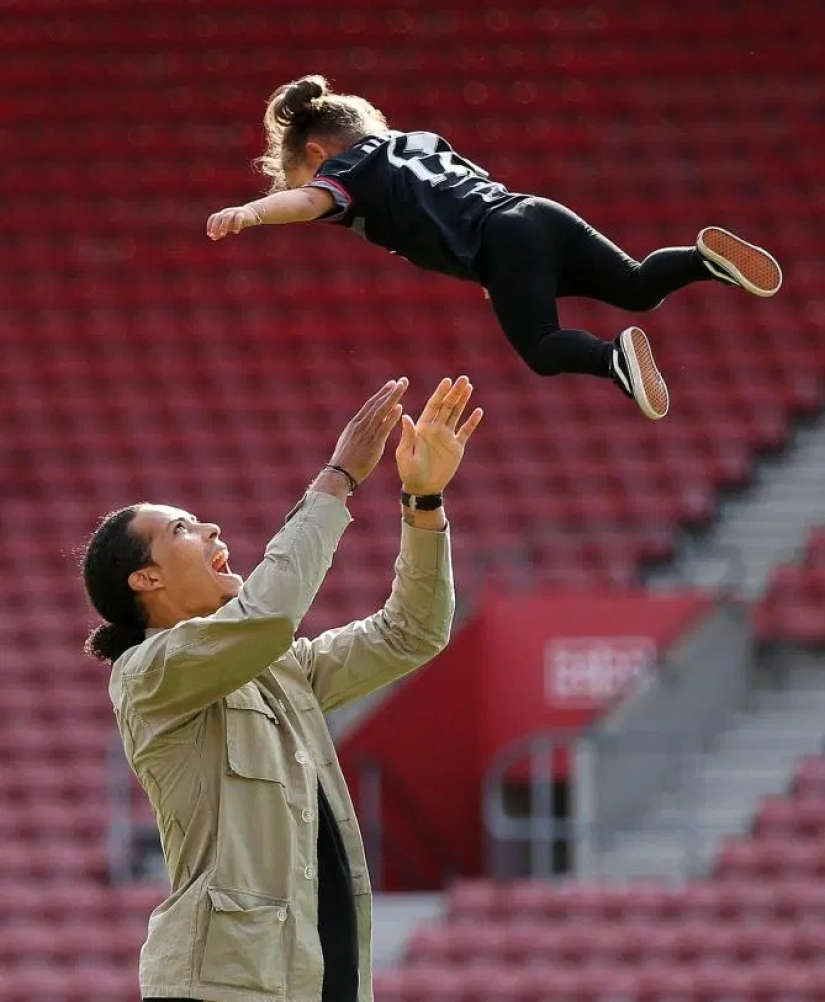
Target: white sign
{"x": 589, "y": 671}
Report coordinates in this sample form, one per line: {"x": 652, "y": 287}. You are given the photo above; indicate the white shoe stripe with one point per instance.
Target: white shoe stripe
{"x": 617, "y": 369}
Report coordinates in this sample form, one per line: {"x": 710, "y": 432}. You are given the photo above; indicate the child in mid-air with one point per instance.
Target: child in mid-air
{"x": 332, "y": 157}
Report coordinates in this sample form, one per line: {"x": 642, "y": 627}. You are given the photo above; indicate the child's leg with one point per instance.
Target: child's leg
{"x": 521, "y": 257}
{"x": 518, "y": 265}
{"x": 593, "y": 267}
{"x": 526, "y": 310}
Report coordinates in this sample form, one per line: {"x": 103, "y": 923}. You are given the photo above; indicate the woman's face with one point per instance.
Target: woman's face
{"x": 189, "y": 573}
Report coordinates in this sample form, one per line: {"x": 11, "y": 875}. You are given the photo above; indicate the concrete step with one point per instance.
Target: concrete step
{"x": 750, "y": 763}
{"x": 809, "y": 704}
{"x": 715, "y": 818}
{"x": 783, "y": 720}
{"x": 664, "y": 857}
{"x": 767, "y": 740}
{"x": 718, "y": 793}
{"x": 395, "y": 916}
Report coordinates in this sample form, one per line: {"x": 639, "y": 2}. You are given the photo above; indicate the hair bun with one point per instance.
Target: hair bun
{"x": 294, "y": 100}
{"x": 108, "y": 641}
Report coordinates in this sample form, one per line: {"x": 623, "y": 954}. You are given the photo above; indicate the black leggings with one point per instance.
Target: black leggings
{"x": 536, "y": 251}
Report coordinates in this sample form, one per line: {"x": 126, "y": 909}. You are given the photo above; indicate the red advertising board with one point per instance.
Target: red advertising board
{"x": 521, "y": 666}
{"x": 556, "y": 661}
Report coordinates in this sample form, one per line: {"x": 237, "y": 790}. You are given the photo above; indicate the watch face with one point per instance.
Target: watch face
{"x": 422, "y": 502}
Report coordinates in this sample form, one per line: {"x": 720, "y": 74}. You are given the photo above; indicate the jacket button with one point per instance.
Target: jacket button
{"x": 309, "y": 872}
{"x": 301, "y": 757}
{"x": 308, "y": 814}
{"x": 281, "y": 914}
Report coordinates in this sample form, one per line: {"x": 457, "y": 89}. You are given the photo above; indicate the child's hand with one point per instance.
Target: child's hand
{"x": 231, "y": 220}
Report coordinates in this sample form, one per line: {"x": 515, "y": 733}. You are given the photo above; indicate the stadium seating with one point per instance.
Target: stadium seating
{"x": 791, "y": 610}
{"x": 148, "y": 362}
{"x": 141, "y": 361}
{"x": 751, "y": 930}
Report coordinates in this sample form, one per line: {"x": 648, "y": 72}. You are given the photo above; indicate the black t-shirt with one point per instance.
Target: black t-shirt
{"x": 337, "y": 919}
{"x": 411, "y": 193}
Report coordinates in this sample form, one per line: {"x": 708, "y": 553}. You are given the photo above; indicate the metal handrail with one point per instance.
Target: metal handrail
{"x": 648, "y": 743}
{"x": 378, "y": 785}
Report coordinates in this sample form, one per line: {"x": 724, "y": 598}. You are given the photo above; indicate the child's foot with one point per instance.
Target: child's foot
{"x": 633, "y": 370}
{"x": 733, "y": 260}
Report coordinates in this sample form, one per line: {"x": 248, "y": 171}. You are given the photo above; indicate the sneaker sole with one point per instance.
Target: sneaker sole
{"x": 751, "y": 267}
{"x": 649, "y": 387}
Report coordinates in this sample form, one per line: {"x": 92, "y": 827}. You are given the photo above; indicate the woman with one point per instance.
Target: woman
{"x": 221, "y": 710}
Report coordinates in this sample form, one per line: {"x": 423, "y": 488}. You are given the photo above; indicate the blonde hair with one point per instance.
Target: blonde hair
{"x": 306, "y": 109}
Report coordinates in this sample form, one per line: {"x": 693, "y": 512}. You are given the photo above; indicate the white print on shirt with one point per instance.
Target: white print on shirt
{"x": 416, "y": 151}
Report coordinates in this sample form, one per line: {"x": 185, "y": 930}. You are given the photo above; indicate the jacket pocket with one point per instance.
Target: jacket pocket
{"x": 248, "y": 941}
{"x": 253, "y": 745}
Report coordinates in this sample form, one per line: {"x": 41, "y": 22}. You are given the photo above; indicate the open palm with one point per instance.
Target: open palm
{"x": 431, "y": 449}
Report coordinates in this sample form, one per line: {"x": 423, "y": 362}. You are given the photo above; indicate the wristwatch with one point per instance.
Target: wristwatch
{"x": 422, "y": 502}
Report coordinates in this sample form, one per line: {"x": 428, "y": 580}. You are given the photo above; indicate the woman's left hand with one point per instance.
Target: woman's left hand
{"x": 431, "y": 448}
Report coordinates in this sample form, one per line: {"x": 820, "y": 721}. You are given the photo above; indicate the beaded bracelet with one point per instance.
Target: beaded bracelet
{"x": 353, "y": 483}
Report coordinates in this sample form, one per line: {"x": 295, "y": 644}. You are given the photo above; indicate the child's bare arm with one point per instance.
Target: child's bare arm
{"x": 297, "y": 206}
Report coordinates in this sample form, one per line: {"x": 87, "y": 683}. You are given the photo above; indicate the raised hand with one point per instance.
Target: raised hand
{"x": 431, "y": 448}
{"x": 361, "y": 443}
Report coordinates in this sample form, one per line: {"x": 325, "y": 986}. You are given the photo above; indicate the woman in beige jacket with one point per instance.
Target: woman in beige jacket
{"x": 221, "y": 713}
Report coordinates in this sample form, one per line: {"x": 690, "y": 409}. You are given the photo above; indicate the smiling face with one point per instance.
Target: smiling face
{"x": 189, "y": 574}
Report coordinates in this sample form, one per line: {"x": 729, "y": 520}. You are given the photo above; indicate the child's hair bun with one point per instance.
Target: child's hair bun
{"x": 294, "y": 100}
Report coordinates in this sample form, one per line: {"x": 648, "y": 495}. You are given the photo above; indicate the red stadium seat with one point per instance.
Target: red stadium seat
{"x": 810, "y": 776}
{"x": 532, "y": 900}
{"x": 390, "y": 985}
{"x": 142, "y": 361}
{"x": 23, "y": 981}
{"x": 487, "y": 982}
{"x": 790, "y": 816}
{"x": 790, "y": 609}
{"x": 457, "y": 944}
{"x": 473, "y": 900}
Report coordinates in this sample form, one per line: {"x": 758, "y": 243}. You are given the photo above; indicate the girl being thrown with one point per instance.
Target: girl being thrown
{"x": 332, "y": 157}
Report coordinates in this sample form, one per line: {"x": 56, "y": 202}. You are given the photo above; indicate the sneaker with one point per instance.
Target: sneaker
{"x": 633, "y": 370}
{"x": 733, "y": 260}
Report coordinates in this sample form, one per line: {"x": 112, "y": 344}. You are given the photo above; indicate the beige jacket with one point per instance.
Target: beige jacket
{"x": 222, "y": 721}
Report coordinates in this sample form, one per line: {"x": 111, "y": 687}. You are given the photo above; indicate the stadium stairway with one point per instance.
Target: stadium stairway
{"x": 718, "y": 794}
{"x": 761, "y": 527}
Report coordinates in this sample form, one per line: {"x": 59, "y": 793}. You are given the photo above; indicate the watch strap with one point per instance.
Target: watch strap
{"x": 422, "y": 502}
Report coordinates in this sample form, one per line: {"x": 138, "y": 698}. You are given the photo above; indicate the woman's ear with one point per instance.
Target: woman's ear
{"x": 146, "y": 579}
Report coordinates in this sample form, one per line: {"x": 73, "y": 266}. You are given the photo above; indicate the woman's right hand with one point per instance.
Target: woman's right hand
{"x": 361, "y": 444}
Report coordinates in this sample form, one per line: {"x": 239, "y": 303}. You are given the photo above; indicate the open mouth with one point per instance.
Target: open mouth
{"x": 220, "y": 563}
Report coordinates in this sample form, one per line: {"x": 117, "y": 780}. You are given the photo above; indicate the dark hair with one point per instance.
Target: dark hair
{"x": 112, "y": 554}
{"x": 305, "y": 108}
